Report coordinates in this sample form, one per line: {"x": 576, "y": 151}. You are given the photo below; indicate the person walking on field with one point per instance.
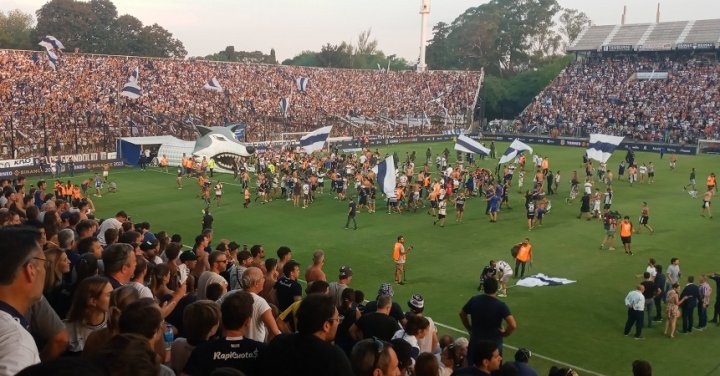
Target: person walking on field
{"x": 645, "y": 218}
{"x": 400, "y": 255}
{"x": 707, "y": 197}
{"x": 635, "y": 303}
{"x": 626, "y": 231}
{"x": 352, "y": 210}
{"x": 524, "y": 255}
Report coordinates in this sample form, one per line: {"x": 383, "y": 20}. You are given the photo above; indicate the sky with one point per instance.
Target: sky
{"x": 293, "y": 26}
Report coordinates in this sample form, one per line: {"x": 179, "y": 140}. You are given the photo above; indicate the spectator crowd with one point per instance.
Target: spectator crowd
{"x": 610, "y": 96}
{"x": 78, "y": 106}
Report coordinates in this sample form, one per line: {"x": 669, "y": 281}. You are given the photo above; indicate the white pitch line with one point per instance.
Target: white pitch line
{"x": 534, "y": 354}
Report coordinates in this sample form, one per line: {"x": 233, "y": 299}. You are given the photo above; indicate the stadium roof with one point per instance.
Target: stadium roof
{"x": 663, "y": 36}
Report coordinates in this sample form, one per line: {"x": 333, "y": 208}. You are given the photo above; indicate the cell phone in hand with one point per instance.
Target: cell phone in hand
{"x": 184, "y": 272}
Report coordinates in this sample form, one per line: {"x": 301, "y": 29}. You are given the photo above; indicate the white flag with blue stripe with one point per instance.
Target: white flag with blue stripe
{"x": 213, "y": 85}
{"x": 131, "y": 90}
{"x": 601, "y": 146}
{"x": 50, "y": 42}
{"x": 315, "y": 140}
{"x": 302, "y": 83}
{"x": 512, "y": 151}
{"x": 284, "y": 105}
{"x": 386, "y": 176}
{"x": 468, "y": 145}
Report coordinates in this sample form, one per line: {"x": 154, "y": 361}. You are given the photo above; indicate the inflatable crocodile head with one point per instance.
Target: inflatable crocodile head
{"x": 219, "y": 143}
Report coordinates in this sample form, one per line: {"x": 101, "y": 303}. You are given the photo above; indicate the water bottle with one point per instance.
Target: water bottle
{"x": 169, "y": 338}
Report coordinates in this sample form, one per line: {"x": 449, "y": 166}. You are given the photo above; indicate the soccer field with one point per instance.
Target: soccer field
{"x": 580, "y": 324}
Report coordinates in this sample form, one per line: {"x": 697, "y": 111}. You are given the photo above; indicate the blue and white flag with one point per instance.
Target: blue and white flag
{"x": 543, "y": 280}
{"x": 52, "y": 59}
{"x": 213, "y": 85}
{"x": 468, "y": 145}
{"x": 284, "y": 105}
{"x": 131, "y": 90}
{"x": 512, "y": 151}
{"x": 601, "y": 146}
{"x": 386, "y": 176}
{"x": 315, "y": 140}
{"x": 50, "y": 42}
{"x": 302, "y": 83}
{"x": 134, "y": 75}
{"x": 239, "y": 130}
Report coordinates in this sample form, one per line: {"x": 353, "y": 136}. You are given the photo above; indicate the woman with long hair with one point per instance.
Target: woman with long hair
{"x": 89, "y": 311}
{"x": 673, "y": 310}
{"x": 56, "y": 291}
{"x": 166, "y": 298}
{"x": 119, "y": 300}
{"x": 51, "y": 224}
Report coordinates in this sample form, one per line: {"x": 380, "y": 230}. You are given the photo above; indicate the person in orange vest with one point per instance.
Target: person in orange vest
{"x": 164, "y": 163}
{"x": 711, "y": 182}
{"x": 626, "y": 230}
{"x": 67, "y": 191}
{"x": 524, "y": 255}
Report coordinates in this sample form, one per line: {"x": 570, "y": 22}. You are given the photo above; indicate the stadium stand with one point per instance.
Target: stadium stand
{"x": 80, "y": 100}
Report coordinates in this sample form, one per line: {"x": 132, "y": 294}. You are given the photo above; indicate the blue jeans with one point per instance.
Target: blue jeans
{"x": 702, "y": 316}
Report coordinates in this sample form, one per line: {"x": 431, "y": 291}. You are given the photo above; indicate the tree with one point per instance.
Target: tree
{"x": 102, "y": 28}
{"x": 68, "y": 20}
{"x": 156, "y": 41}
{"x": 256, "y": 57}
{"x": 365, "y": 46}
{"x": 127, "y": 37}
{"x": 15, "y": 29}
{"x": 572, "y": 23}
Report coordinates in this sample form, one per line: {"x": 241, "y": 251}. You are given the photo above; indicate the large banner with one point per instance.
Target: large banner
{"x": 47, "y": 169}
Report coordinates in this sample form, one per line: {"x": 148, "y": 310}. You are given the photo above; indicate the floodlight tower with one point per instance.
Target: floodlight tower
{"x": 424, "y": 15}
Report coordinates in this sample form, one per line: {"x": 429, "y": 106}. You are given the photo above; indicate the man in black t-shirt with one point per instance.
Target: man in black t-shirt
{"x": 232, "y": 350}
{"x": 377, "y": 324}
{"x": 649, "y": 294}
{"x": 309, "y": 351}
{"x": 352, "y": 210}
{"x": 287, "y": 288}
{"x": 486, "y": 315}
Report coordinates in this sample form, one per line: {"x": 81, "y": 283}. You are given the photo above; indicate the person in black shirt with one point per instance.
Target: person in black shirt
{"x": 352, "y": 210}
{"x": 650, "y": 292}
{"x": 207, "y": 221}
{"x": 287, "y": 288}
{"x": 660, "y": 288}
{"x": 231, "y": 350}
{"x": 716, "y": 313}
{"x": 378, "y": 324}
{"x": 691, "y": 295}
{"x": 309, "y": 351}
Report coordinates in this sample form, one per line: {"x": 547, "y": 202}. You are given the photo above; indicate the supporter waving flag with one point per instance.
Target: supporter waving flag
{"x": 302, "y": 84}
{"x": 513, "y": 150}
{"x": 601, "y": 146}
{"x": 386, "y": 176}
{"x": 213, "y": 85}
{"x": 315, "y": 140}
{"x": 468, "y": 145}
{"x": 50, "y": 42}
{"x": 131, "y": 90}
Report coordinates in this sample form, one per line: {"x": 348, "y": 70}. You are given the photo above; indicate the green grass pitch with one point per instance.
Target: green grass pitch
{"x": 580, "y": 324}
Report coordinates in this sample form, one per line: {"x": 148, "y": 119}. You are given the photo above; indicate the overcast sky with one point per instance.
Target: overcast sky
{"x": 292, "y": 26}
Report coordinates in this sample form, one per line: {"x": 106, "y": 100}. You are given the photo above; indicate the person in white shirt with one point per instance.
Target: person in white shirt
{"x": 218, "y": 263}
{"x": 263, "y": 327}
{"x": 635, "y": 303}
{"x": 503, "y": 273}
{"x": 429, "y": 343}
{"x": 116, "y": 223}
{"x": 22, "y": 276}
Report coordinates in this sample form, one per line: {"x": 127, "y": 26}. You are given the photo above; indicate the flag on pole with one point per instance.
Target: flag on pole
{"x": 468, "y": 145}
{"x": 302, "y": 83}
{"x": 131, "y": 90}
{"x": 515, "y": 147}
{"x": 50, "y": 42}
{"x": 52, "y": 59}
{"x": 134, "y": 75}
{"x": 213, "y": 85}
{"x": 284, "y": 105}
{"x": 386, "y": 176}
{"x": 601, "y": 146}
{"x": 315, "y": 140}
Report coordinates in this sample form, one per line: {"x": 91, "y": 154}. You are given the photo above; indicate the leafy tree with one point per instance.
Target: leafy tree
{"x": 304, "y": 59}
{"x": 572, "y": 23}
{"x": 15, "y": 29}
{"x": 156, "y": 41}
{"x": 229, "y": 54}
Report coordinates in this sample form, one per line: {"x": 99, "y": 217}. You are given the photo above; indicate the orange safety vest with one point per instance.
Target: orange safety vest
{"x": 396, "y": 251}
{"x": 76, "y": 193}
{"x": 711, "y": 181}
{"x": 625, "y": 228}
{"x": 545, "y": 164}
{"x": 524, "y": 253}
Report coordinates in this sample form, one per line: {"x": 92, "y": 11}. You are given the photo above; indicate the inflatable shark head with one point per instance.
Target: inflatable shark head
{"x": 219, "y": 143}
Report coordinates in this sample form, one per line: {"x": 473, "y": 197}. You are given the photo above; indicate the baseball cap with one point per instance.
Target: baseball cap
{"x": 416, "y": 303}
{"x": 385, "y": 289}
{"x": 345, "y": 271}
{"x": 188, "y": 256}
{"x": 148, "y": 244}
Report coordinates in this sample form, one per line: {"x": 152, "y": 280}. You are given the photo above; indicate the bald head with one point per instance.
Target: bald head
{"x": 252, "y": 279}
